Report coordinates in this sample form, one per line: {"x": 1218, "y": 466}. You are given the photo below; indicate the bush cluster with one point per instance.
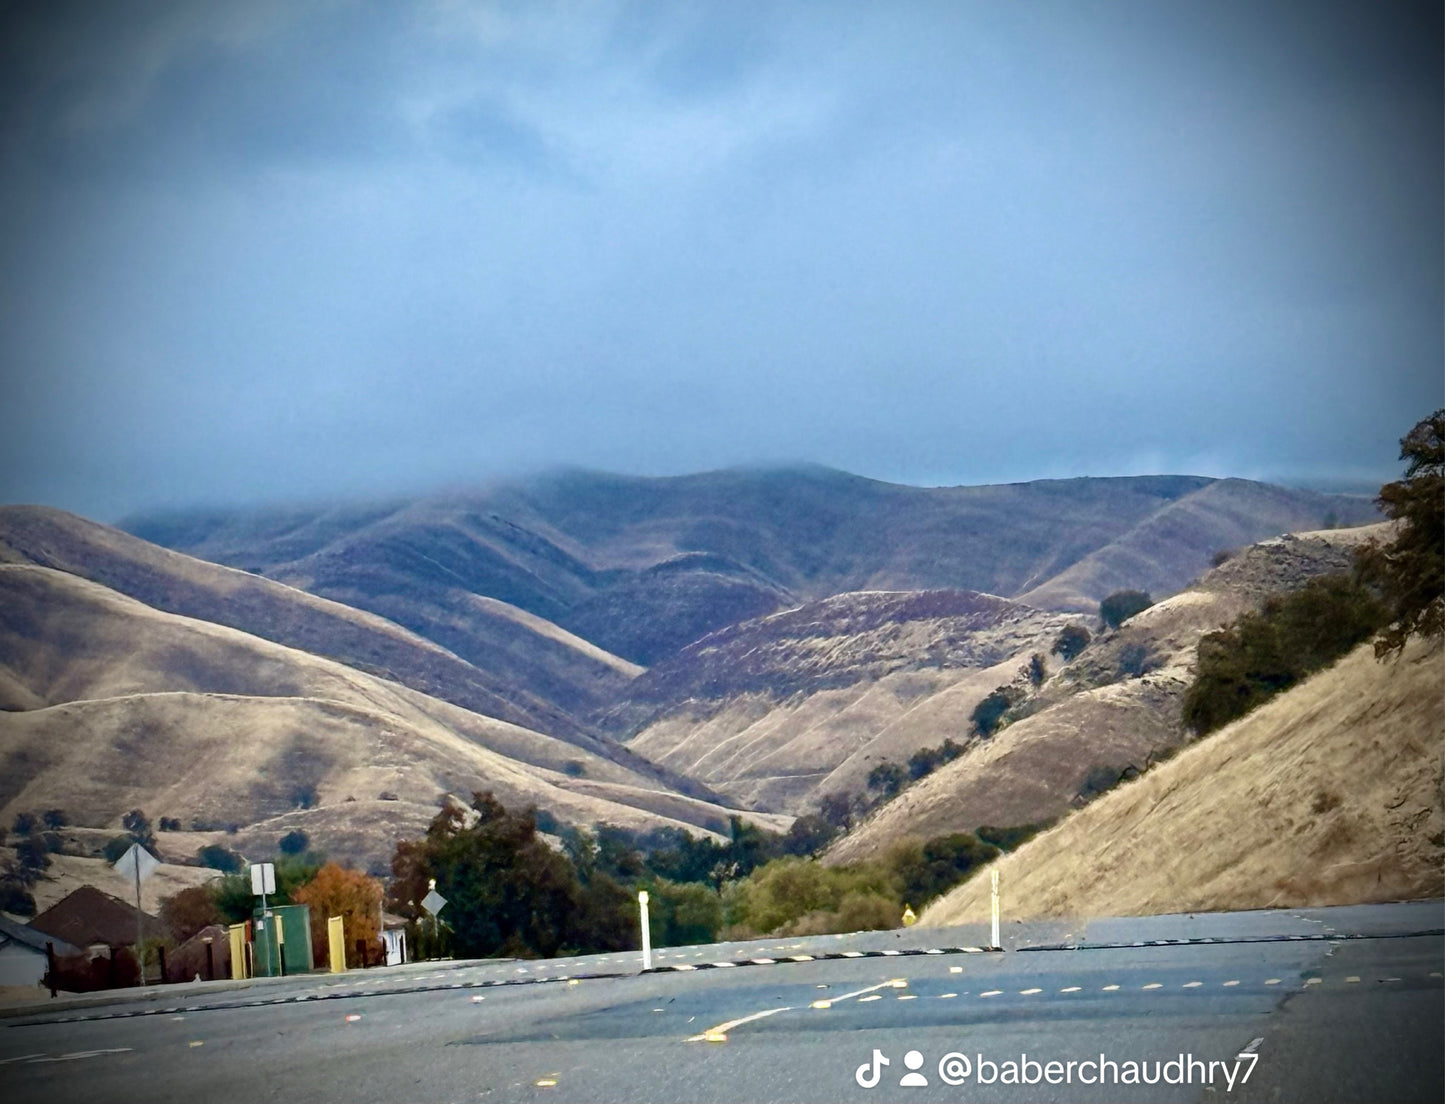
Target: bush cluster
{"x": 1265, "y": 652}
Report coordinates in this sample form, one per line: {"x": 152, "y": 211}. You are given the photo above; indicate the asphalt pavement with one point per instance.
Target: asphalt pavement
{"x": 1316, "y": 1005}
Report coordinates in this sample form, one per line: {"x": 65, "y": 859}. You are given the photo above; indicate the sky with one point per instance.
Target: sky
{"x": 318, "y": 249}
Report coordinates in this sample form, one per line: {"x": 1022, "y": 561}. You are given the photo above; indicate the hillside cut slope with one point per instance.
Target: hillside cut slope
{"x": 1331, "y": 793}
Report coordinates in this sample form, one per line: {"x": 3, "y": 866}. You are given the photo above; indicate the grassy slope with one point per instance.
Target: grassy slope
{"x": 1329, "y": 794}
{"x": 127, "y": 706}
{"x": 1093, "y": 714}
{"x": 530, "y": 672}
{"x": 783, "y": 709}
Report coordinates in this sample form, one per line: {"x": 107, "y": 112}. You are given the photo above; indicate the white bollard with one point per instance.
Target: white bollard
{"x": 646, "y": 930}
{"x": 994, "y": 906}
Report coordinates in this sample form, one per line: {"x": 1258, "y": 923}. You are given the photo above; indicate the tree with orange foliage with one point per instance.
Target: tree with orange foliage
{"x": 350, "y": 894}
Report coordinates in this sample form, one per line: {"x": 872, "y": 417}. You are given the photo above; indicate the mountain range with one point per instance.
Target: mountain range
{"x": 638, "y": 651}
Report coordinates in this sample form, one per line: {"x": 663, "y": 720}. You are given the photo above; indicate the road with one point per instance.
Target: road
{"x": 1332, "y": 1004}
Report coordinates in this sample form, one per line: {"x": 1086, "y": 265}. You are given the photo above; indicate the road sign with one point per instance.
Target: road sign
{"x": 433, "y": 902}
{"x": 263, "y": 878}
{"x": 137, "y": 864}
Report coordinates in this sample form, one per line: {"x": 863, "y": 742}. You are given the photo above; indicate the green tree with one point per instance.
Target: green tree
{"x": 54, "y": 819}
{"x": 294, "y": 842}
{"x": 220, "y": 858}
{"x": 1409, "y": 571}
{"x": 1122, "y": 605}
{"x": 25, "y": 823}
{"x": 989, "y": 712}
{"x": 887, "y": 779}
{"x": 1071, "y": 641}
{"x": 138, "y": 827}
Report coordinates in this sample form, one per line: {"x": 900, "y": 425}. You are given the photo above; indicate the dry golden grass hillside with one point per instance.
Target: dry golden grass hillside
{"x": 114, "y": 705}
{"x": 1115, "y": 707}
{"x": 1331, "y": 793}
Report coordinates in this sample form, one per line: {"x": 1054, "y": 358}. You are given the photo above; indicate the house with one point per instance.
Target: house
{"x": 22, "y": 953}
{"x": 91, "y": 919}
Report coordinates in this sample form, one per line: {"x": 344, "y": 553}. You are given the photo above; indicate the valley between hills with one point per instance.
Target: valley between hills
{"x": 677, "y": 652}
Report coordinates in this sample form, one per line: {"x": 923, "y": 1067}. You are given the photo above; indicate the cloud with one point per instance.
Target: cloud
{"x": 274, "y": 249}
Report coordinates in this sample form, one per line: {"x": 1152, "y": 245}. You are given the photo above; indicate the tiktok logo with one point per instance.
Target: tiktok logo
{"x": 869, "y": 1072}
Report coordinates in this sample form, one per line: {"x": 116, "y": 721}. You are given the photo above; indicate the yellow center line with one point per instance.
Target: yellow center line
{"x": 719, "y": 1033}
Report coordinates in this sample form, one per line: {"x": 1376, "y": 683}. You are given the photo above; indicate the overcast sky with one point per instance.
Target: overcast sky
{"x": 315, "y": 248}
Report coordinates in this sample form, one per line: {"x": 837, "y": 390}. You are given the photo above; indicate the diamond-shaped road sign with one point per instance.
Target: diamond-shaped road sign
{"x": 136, "y": 856}
{"x": 433, "y": 902}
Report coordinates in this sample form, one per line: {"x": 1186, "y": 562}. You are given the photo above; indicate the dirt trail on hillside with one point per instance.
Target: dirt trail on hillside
{"x": 1329, "y": 794}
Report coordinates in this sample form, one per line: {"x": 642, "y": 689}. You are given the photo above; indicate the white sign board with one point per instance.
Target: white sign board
{"x": 136, "y": 863}
{"x": 263, "y": 878}
{"x": 433, "y": 902}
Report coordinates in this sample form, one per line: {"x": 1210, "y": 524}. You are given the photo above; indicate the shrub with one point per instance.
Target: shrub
{"x": 293, "y": 842}
{"x": 1134, "y": 660}
{"x": 16, "y": 898}
{"x": 1007, "y": 839}
{"x": 928, "y": 869}
{"x": 887, "y": 779}
{"x": 25, "y": 823}
{"x": 32, "y": 853}
{"x": 574, "y": 768}
{"x": 170, "y": 824}
{"x": 988, "y": 713}
{"x": 1122, "y": 605}
{"x": 135, "y": 823}
{"x": 1221, "y": 557}
{"x": 1270, "y": 650}
{"x": 1073, "y": 640}
{"x": 190, "y": 910}
{"x": 115, "y": 847}
{"x": 1035, "y": 671}
{"x": 220, "y": 858}
{"x": 1102, "y": 779}
{"x": 54, "y": 819}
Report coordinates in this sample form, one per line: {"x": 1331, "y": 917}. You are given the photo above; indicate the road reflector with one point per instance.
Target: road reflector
{"x": 822, "y": 1004}
{"x": 197, "y": 1042}
{"x": 955, "y": 969}
{"x": 352, "y": 1018}
{"x": 546, "y": 1082}
{"x": 899, "y": 983}
{"x": 715, "y": 1037}
{"x": 478, "y": 1000}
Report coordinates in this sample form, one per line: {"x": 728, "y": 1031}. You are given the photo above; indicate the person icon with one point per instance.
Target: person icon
{"x": 913, "y": 1080}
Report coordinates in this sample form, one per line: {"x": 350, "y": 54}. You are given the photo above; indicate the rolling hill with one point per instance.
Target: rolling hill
{"x": 112, "y": 704}
{"x": 535, "y": 674}
{"x": 1114, "y": 709}
{"x": 642, "y": 567}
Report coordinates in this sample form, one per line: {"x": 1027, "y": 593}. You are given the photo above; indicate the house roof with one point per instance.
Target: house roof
{"x": 89, "y": 916}
{"x": 11, "y": 930}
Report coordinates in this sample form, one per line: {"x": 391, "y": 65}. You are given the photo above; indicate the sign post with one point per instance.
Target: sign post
{"x": 993, "y": 904}
{"x": 263, "y": 881}
{"x": 140, "y": 864}
{"x": 433, "y": 902}
{"x": 646, "y": 930}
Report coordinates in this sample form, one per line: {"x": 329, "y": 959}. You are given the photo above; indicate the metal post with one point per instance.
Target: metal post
{"x": 50, "y": 966}
{"x": 161, "y": 954}
{"x": 646, "y": 930}
{"x": 993, "y": 906}
{"x": 210, "y": 961}
{"x": 140, "y": 953}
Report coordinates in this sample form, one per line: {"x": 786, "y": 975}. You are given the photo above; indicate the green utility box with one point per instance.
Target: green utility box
{"x": 295, "y": 941}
